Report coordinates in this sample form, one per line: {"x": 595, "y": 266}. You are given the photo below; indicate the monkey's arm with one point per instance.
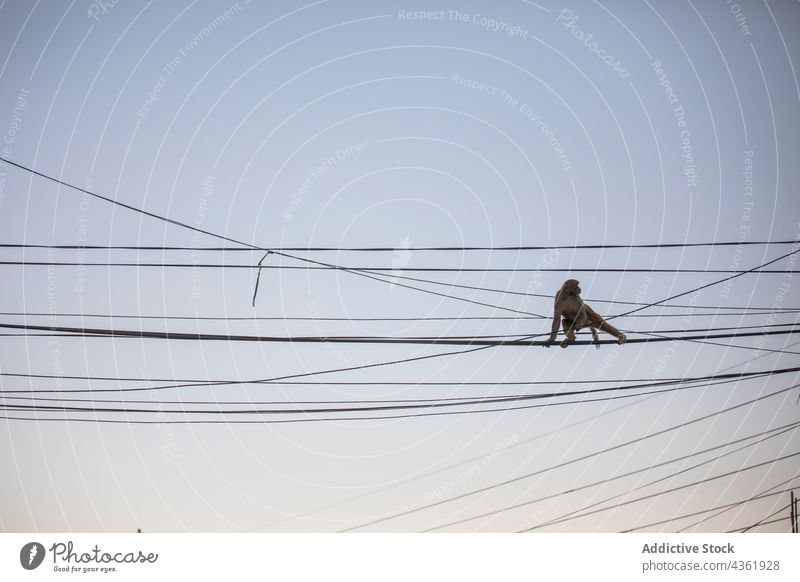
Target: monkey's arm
{"x": 554, "y": 327}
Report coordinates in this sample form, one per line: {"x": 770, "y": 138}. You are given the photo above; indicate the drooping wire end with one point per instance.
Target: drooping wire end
{"x": 258, "y": 277}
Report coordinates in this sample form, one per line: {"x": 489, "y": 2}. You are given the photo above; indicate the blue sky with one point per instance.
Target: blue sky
{"x": 342, "y": 123}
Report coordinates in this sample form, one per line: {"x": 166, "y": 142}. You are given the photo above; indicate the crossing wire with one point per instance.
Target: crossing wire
{"x": 764, "y": 520}
{"x": 363, "y": 274}
{"x": 393, "y": 249}
{"x": 773, "y": 433}
{"x": 187, "y": 382}
{"x": 86, "y": 332}
{"x": 575, "y": 460}
{"x": 724, "y": 506}
{"x": 374, "y": 277}
{"x": 61, "y": 331}
{"x": 231, "y": 240}
{"x": 769, "y": 492}
{"x": 664, "y": 492}
{"x": 127, "y": 411}
{"x": 418, "y": 477}
{"x": 742, "y": 312}
{"x": 381, "y": 270}
{"x": 431, "y": 403}
{"x": 319, "y": 263}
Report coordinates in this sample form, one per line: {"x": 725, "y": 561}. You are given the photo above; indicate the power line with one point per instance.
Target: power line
{"x": 772, "y": 434}
{"x": 262, "y": 412}
{"x": 363, "y": 319}
{"x": 84, "y": 332}
{"x": 593, "y": 300}
{"x": 712, "y": 516}
{"x": 421, "y": 476}
{"x": 199, "y": 382}
{"x": 308, "y": 261}
{"x": 550, "y": 297}
{"x": 705, "y": 286}
{"x": 666, "y": 338}
{"x": 319, "y": 263}
{"x": 464, "y": 399}
{"x": 762, "y": 521}
{"x": 373, "y": 277}
{"x": 403, "y": 285}
{"x": 769, "y": 492}
{"x": 393, "y": 249}
{"x": 381, "y": 270}
{"x": 427, "y": 474}
{"x": 671, "y": 490}
{"x": 265, "y": 381}
{"x": 334, "y": 419}
{"x": 370, "y": 493}
{"x": 435, "y": 402}
{"x": 573, "y": 461}
{"x": 449, "y": 340}
{"x": 396, "y": 276}
{"x": 316, "y": 419}
{"x": 685, "y": 330}
{"x": 639, "y": 384}
{"x": 186, "y": 382}
{"x": 782, "y": 351}
{"x": 315, "y": 373}
{"x": 439, "y": 403}
{"x": 305, "y": 419}
{"x": 719, "y": 507}
{"x": 333, "y": 266}
{"x": 51, "y": 331}
{"x": 724, "y": 506}
{"x": 572, "y": 513}
{"x": 770, "y": 522}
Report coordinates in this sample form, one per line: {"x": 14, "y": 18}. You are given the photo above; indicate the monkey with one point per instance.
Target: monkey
{"x": 574, "y": 314}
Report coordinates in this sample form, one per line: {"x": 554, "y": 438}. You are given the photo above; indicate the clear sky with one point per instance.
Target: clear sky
{"x": 398, "y": 125}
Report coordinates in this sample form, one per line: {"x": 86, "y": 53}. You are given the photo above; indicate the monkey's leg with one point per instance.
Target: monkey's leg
{"x": 568, "y": 326}
{"x": 610, "y": 329}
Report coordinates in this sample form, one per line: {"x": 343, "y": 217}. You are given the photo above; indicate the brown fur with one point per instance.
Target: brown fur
{"x": 573, "y": 314}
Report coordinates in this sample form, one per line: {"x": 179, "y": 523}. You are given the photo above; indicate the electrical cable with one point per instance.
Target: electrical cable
{"x": 577, "y": 459}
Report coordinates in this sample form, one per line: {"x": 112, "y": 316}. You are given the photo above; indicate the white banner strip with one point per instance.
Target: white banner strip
{"x": 371, "y": 557}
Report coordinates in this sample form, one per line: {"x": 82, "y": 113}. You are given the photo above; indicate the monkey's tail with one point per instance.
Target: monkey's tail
{"x": 595, "y": 338}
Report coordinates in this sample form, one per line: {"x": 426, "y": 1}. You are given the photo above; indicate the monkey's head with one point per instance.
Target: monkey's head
{"x": 571, "y": 287}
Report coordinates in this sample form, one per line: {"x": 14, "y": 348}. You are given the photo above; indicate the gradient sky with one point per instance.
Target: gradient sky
{"x": 344, "y": 123}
